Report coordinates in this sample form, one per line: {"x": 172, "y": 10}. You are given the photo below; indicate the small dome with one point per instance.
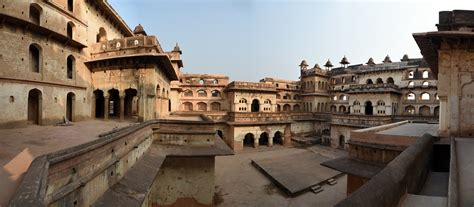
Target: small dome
{"x": 344, "y": 61}
{"x": 303, "y": 64}
{"x": 317, "y": 66}
{"x": 371, "y": 61}
{"x": 405, "y": 58}
{"x": 139, "y": 30}
{"x": 328, "y": 64}
{"x": 387, "y": 59}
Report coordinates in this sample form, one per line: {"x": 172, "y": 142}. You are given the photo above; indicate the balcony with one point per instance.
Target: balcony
{"x": 362, "y": 121}
{"x": 381, "y": 87}
{"x": 274, "y": 117}
{"x": 251, "y": 86}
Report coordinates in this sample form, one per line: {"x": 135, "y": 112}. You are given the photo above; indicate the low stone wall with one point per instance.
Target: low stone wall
{"x": 405, "y": 174}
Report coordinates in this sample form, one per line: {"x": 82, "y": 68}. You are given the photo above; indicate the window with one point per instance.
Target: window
{"x": 334, "y": 98}
{"x": 278, "y": 96}
{"x": 35, "y": 14}
{"x": 369, "y": 81}
{"x": 70, "y": 26}
{"x": 425, "y": 96}
{"x": 411, "y": 84}
{"x": 215, "y": 93}
{"x": 70, "y": 5}
{"x": 267, "y": 101}
{"x": 188, "y": 93}
{"x": 411, "y": 75}
{"x": 215, "y": 82}
{"x": 390, "y": 80}
{"x": 410, "y": 110}
{"x": 343, "y": 98}
{"x": 425, "y": 74}
{"x": 379, "y": 81}
{"x": 411, "y": 96}
{"x": 71, "y": 62}
{"x": 437, "y": 97}
{"x": 343, "y": 80}
{"x": 356, "y": 103}
{"x": 35, "y": 58}
{"x": 201, "y": 82}
{"x": 202, "y": 93}
{"x": 380, "y": 103}
{"x": 243, "y": 100}
{"x": 426, "y": 83}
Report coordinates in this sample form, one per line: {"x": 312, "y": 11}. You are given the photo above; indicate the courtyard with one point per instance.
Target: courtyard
{"x": 238, "y": 183}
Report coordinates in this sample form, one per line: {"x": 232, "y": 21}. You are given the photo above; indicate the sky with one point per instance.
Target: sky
{"x": 248, "y": 40}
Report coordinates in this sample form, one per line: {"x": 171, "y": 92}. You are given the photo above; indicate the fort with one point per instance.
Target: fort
{"x": 76, "y": 62}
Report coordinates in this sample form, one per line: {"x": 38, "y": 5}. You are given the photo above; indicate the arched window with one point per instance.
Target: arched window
{"x": 71, "y": 64}
{"x": 69, "y": 29}
{"x": 436, "y": 96}
{"x": 286, "y": 107}
{"x": 425, "y": 96}
{"x": 70, "y": 5}
{"x": 411, "y": 75}
{"x": 278, "y": 96}
{"x": 267, "y": 101}
{"x": 188, "y": 93}
{"x": 187, "y": 106}
{"x": 243, "y": 100}
{"x": 215, "y": 82}
{"x": 424, "y": 110}
{"x": 411, "y": 96}
{"x": 334, "y": 98}
{"x": 343, "y": 97}
{"x": 102, "y": 35}
{"x": 380, "y": 103}
{"x": 410, "y": 110}
{"x": 35, "y": 13}
{"x": 343, "y": 80}
{"x": 411, "y": 84}
{"x": 215, "y": 106}
{"x": 369, "y": 81}
{"x": 287, "y": 96}
{"x": 379, "y": 81}
{"x": 201, "y": 82}
{"x": 201, "y": 106}
{"x": 202, "y": 93}
{"x": 296, "y": 107}
{"x": 390, "y": 80}
{"x": 426, "y": 83}
{"x": 356, "y": 103}
{"x": 426, "y": 74}
{"x": 35, "y": 58}
{"x": 215, "y": 93}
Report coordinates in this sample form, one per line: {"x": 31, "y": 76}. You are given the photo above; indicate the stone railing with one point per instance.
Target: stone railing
{"x": 80, "y": 175}
{"x": 416, "y": 118}
{"x": 276, "y": 116}
{"x": 360, "y": 120}
{"x": 126, "y": 43}
{"x": 405, "y": 174}
{"x": 250, "y": 86}
{"x": 372, "y": 87}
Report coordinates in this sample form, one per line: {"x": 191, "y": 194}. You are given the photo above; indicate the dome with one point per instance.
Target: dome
{"x": 139, "y": 30}
{"x": 317, "y": 66}
{"x": 328, "y": 64}
{"x": 304, "y": 64}
{"x": 387, "y": 59}
{"x": 405, "y": 58}
{"x": 344, "y": 61}
{"x": 370, "y": 61}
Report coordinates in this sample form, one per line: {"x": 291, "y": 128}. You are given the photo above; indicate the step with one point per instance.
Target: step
{"x": 332, "y": 181}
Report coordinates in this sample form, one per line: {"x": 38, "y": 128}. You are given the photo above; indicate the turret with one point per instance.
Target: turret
{"x": 139, "y": 31}
{"x": 328, "y": 65}
{"x": 387, "y": 59}
{"x": 405, "y": 58}
{"x": 304, "y": 65}
{"x": 344, "y": 62}
{"x": 371, "y": 62}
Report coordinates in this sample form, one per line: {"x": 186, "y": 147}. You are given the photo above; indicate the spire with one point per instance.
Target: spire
{"x": 371, "y": 62}
{"x": 344, "y": 61}
{"x": 328, "y": 64}
{"x": 304, "y": 65}
{"x": 405, "y": 58}
{"x": 177, "y": 49}
{"x": 139, "y": 31}
{"x": 387, "y": 59}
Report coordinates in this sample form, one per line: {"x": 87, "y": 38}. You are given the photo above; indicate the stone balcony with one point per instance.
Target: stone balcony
{"x": 358, "y": 120}
{"x": 381, "y": 87}
{"x": 274, "y": 117}
{"x": 251, "y": 86}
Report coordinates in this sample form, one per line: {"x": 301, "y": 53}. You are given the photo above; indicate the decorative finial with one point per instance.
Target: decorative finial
{"x": 177, "y": 49}
{"x": 405, "y": 58}
{"x": 328, "y": 64}
{"x": 371, "y": 62}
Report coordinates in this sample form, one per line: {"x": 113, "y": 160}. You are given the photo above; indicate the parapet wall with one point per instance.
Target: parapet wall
{"x": 405, "y": 174}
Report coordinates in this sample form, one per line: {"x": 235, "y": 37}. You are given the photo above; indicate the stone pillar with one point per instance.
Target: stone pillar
{"x": 255, "y": 142}
{"x": 287, "y": 135}
{"x": 270, "y": 141}
{"x": 106, "y": 108}
{"x": 443, "y": 117}
{"x": 122, "y": 107}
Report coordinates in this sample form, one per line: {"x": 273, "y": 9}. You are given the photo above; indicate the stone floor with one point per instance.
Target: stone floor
{"x": 18, "y": 147}
{"x": 238, "y": 183}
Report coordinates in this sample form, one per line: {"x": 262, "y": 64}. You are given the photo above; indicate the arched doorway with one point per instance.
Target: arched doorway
{"x": 70, "y": 102}
{"x": 278, "y": 138}
{"x": 114, "y": 103}
{"x": 255, "y": 105}
{"x": 342, "y": 141}
{"x": 34, "y": 106}
{"x": 436, "y": 111}
{"x": 128, "y": 102}
{"x": 263, "y": 140}
{"x": 369, "y": 110}
{"x": 249, "y": 140}
{"x": 99, "y": 103}
{"x": 220, "y": 134}
{"x": 424, "y": 111}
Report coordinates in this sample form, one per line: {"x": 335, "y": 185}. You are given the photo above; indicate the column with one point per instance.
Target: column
{"x": 106, "y": 108}
{"x": 270, "y": 140}
{"x": 122, "y": 107}
{"x": 255, "y": 142}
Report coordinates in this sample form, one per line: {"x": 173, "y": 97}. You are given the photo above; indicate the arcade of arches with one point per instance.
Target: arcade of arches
{"x": 264, "y": 139}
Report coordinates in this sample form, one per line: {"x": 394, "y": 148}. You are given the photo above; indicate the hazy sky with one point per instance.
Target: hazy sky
{"x": 252, "y": 39}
